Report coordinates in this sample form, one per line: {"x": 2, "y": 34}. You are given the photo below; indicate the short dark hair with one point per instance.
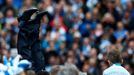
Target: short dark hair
{"x": 42, "y": 73}
{"x": 30, "y": 72}
{"x": 114, "y": 56}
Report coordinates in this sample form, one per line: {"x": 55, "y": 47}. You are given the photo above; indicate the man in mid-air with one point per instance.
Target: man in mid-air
{"x": 28, "y": 38}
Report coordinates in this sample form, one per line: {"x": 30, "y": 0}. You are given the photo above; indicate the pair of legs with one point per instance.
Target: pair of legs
{"x": 28, "y": 39}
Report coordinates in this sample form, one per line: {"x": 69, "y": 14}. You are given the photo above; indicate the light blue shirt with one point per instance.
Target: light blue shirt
{"x": 116, "y": 69}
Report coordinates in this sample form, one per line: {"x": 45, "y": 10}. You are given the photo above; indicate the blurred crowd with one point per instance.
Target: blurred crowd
{"x": 78, "y": 32}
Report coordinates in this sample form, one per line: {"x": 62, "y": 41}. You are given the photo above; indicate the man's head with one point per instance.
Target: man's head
{"x": 30, "y": 72}
{"x": 114, "y": 56}
{"x": 67, "y": 69}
